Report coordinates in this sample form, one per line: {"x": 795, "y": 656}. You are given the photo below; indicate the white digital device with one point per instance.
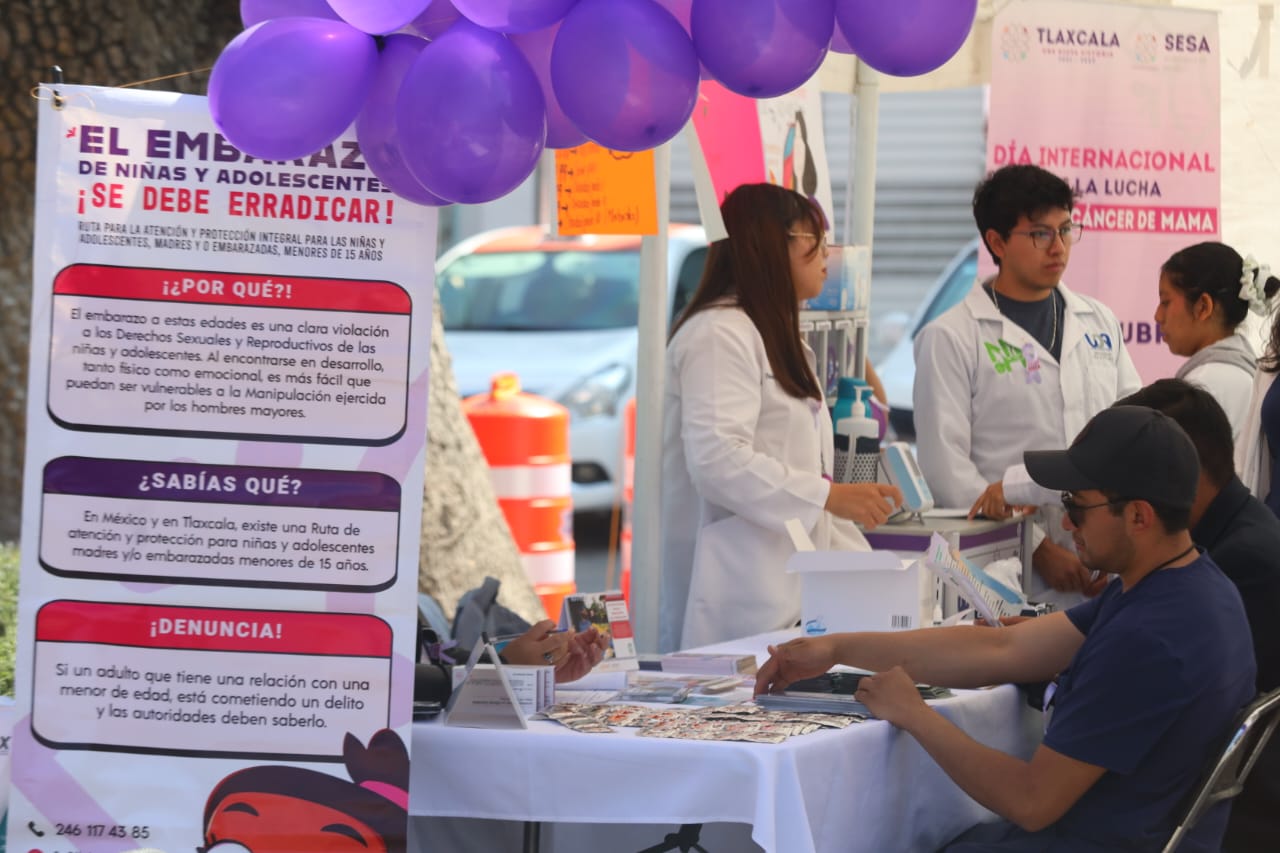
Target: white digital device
{"x": 899, "y": 465}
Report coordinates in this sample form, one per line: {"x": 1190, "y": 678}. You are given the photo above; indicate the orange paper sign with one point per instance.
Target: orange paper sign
{"x": 601, "y": 191}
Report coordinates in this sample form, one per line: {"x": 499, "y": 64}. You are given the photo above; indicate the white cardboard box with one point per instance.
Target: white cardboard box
{"x": 862, "y": 591}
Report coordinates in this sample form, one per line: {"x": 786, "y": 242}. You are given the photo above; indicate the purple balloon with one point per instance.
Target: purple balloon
{"x": 514, "y": 16}
{"x": 906, "y": 37}
{"x": 379, "y": 16}
{"x": 536, "y": 47}
{"x": 470, "y": 115}
{"x": 625, "y": 73}
{"x": 763, "y": 48}
{"x": 376, "y": 126}
{"x": 435, "y": 19}
{"x": 287, "y": 87}
{"x": 839, "y": 43}
{"x": 256, "y": 11}
{"x": 682, "y": 10}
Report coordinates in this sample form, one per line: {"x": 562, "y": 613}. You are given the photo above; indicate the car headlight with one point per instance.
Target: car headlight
{"x": 601, "y": 393}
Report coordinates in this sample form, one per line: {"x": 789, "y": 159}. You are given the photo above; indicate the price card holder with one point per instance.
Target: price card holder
{"x": 484, "y": 699}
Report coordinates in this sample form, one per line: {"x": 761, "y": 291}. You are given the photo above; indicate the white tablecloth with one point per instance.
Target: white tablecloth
{"x": 869, "y": 787}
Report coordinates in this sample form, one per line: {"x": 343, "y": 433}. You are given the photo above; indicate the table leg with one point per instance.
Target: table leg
{"x": 532, "y": 836}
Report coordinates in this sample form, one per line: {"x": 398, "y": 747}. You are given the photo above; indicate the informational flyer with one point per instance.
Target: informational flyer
{"x": 1123, "y": 103}
{"x": 775, "y": 140}
{"x": 224, "y": 470}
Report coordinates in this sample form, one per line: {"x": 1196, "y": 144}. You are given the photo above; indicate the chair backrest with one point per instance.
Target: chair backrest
{"x": 1225, "y": 777}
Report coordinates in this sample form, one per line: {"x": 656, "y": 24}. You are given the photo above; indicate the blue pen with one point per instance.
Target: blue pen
{"x": 501, "y": 642}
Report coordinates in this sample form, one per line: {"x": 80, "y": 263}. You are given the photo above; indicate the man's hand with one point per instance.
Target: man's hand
{"x": 991, "y": 504}
{"x": 803, "y": 657}
{"x": 891, "y": 696}
{"x": 585, "y": 650}
{"x": 1062, "y": 569}
{"x": 572, "y": 654}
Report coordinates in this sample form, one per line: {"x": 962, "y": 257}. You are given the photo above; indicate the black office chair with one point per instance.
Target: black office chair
{"x": 1226, "y": 776}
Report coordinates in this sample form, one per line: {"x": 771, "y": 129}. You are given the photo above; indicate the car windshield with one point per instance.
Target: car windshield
{"x": 541, "y": 291}
{"x": 953, "y": 291}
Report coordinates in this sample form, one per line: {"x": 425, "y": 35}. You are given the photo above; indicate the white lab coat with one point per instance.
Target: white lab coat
{"x": 1253, "y": 453}
{"x": 739, "y": 458}
{"x": 978, "y": 408}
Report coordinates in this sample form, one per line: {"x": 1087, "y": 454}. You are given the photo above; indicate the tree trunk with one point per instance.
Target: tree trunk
{"x": 464, "y": 534}
{"x": 123, "y": 41}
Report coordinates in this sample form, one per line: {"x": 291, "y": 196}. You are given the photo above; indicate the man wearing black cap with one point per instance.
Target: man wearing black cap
{"x": 1242, "y": 535}
{"x": 1149, "y": 674}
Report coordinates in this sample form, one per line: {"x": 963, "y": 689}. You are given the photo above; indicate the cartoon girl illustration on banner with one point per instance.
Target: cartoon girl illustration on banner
{"x": 795, "y": 150}
{"x": 282, "y": 809}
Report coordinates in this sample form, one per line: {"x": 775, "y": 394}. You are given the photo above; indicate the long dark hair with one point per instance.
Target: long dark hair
{"x": 753, "y": 267}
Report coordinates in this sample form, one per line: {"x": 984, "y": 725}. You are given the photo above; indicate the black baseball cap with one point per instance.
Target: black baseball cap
{"x": 1131, "y": 451}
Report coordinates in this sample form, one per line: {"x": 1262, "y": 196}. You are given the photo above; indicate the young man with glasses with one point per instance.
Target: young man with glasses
{"x": 1150, "y": 673}
{"x": 1022, "y": 362}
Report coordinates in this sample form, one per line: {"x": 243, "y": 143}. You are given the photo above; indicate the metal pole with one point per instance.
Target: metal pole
{"x": 862, "y": 197}
{"x": 646, "y": 544}
{"x": 545, "y": 181}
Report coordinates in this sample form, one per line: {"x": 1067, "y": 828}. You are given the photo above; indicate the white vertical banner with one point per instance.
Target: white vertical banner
{"x": 1123, "y": 102}
{"x": 221, "y": 507}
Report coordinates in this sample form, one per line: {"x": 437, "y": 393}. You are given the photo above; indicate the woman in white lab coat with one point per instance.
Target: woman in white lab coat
{"x": 1205, "y": 293}
{"x": 747, "y": 441}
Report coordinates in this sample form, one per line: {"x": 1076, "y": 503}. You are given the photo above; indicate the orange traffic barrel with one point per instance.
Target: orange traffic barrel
{"x": 628, "y": 493}
{"x": 525, "y": 440}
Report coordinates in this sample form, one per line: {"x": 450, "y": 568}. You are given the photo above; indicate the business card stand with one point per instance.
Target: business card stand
{"x": 484, "y": 699}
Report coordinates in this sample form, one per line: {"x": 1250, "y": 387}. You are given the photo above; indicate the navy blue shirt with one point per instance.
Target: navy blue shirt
{"x": 1164, "y": 669}
{"x": 1243, "y": 538}
{"x": 1270, "y": 417}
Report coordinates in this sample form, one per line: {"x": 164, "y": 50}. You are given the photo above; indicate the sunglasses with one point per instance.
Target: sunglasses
{"x": 1076, "y": 511}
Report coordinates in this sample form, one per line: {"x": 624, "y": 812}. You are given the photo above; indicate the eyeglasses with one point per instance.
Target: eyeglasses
{"x": 822, "y": 239}
{"x": 1042, "y": 238}
{"x": 1076, "y": 511}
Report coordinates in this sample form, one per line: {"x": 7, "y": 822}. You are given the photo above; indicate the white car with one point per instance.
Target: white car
{"x": 561, "y": 314}
{"x": 898, "y": 369}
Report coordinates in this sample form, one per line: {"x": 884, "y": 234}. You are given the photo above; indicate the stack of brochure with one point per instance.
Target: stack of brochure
{"x": 988, "y": 596}
{"x": 709, "y": 664}
{"x": 832, "y": 693}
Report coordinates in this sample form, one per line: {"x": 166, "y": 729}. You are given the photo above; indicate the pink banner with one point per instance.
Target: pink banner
{"x": 1122, "y": 102}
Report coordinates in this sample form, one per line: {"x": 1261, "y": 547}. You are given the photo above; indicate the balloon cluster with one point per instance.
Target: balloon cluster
{"x": 454, "y": 100}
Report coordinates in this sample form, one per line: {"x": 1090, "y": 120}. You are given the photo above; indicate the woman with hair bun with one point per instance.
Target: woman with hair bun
{"x": 1206, "y": 291}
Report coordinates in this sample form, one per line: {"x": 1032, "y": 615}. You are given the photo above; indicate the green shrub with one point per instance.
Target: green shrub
{"x": 8, "y": 615}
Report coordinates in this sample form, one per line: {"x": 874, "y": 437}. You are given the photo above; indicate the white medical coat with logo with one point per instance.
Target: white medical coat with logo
{"x": 978, "y": 405}
{"x": 740, "y": 457}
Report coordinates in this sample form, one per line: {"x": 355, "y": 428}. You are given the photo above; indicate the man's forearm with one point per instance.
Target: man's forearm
{"x": 1000, "y": 782}
{"x": 966, "y": 656}
{"x": 959, "y": 656}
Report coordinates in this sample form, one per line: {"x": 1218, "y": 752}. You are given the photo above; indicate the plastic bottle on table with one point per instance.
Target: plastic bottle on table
{"x": 857, "y": 433}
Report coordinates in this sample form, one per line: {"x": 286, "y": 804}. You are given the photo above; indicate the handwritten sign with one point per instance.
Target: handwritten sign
{"x": 601, "y": 191}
